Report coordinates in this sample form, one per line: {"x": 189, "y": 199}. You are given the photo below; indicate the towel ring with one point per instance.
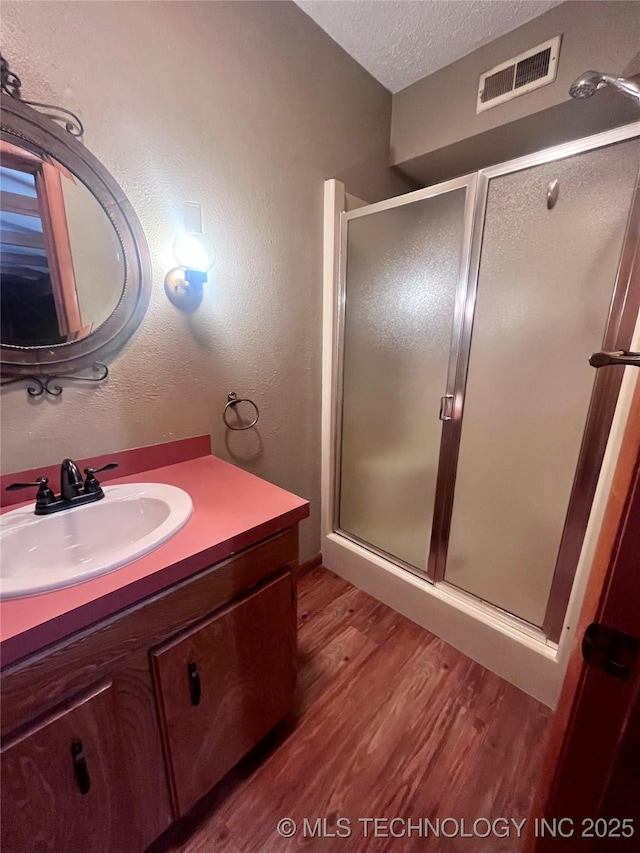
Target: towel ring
{"x": 233, "y": 400}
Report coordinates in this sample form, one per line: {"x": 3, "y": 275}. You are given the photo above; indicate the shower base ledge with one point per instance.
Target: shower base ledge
{"x": 522, "y": 657}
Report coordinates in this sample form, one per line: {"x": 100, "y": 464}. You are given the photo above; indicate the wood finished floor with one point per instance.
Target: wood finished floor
{"x": 390, "y": 722}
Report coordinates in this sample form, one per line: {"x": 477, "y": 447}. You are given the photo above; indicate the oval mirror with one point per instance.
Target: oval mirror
{"x": 74, "y": 262}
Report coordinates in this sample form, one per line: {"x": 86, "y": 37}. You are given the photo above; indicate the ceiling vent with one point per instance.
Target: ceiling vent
{"x": 524, "y": 73}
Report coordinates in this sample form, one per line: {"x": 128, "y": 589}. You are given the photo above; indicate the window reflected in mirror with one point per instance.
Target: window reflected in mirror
{"x": 61, "y": 261}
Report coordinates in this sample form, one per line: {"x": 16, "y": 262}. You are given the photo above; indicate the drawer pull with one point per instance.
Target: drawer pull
{"x": 80, "y": 767}
{"x": 194, "y": 683}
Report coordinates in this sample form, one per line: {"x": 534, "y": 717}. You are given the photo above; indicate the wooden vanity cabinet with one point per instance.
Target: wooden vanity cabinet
{"x": 110, "y": 735}
{"x": 222, "y": 685}
{"x": 61, "y": 781}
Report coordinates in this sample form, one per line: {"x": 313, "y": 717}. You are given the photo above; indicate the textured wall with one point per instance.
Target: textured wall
{"x": 601, "y": 35}
{"x": 245, "y": 108}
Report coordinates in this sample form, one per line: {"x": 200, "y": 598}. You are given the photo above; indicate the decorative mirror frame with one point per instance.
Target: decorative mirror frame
{"x": 38, "y": 132}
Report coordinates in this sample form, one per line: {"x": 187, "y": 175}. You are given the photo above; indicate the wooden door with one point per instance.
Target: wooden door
{"x": 223, "y": 685}
{"x": 62, "y": 787}
{"x": 593, "y": 767}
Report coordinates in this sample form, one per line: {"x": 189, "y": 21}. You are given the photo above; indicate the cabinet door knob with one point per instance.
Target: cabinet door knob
{"x": 194, "y": 683}
{"x": 80, "y": 767}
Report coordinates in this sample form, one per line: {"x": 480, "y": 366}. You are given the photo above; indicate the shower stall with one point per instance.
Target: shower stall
{"x": 464, "y": 428}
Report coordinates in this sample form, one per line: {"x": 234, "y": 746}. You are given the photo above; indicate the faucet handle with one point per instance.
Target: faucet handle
{"x": 108, "y": 467}
{"x": 40, "y": 482}
{"x": 91, "y": 484}
{"x": 44, "y": 496}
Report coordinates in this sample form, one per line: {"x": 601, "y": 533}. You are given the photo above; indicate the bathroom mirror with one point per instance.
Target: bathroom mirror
{"x": 74, "y": 262}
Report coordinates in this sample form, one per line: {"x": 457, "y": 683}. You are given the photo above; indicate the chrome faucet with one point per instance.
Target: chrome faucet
{"x": 74, "y": 491}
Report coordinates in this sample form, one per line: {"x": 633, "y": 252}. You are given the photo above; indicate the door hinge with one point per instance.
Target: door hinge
{"x": 610, "y": 650}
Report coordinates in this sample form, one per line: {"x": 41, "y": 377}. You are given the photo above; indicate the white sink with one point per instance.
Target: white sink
{"x": 39, "y": 553}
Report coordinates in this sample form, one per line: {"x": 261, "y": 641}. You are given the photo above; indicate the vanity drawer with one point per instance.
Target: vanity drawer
{"x": 62, "y": 782}
{"x": 222, "y": 685}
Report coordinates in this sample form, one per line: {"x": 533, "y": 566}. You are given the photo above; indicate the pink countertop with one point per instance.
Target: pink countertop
{"x": 231, "y": 511}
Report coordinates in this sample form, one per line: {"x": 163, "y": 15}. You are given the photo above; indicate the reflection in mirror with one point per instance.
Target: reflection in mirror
{"x": 61, "y": 260}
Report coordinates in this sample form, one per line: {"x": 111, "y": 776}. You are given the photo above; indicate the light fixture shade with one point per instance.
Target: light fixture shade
{"x": 194, "y": 252}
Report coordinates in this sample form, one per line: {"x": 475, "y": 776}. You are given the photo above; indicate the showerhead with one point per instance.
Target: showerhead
{"x": 588, "y": 84}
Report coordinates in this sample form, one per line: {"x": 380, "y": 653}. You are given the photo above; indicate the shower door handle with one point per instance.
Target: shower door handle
{"x": 443, "y": 407}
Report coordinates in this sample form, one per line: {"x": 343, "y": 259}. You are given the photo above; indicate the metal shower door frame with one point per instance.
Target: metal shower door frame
{"x": 458, "y": 369}
{"x": 470, "y": 184}
{"x": 619, "y": 330}
{"x": 623, "y": 313}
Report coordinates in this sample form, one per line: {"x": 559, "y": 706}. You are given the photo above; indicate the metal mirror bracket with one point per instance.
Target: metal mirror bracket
{"x": 11, "y": 85}
{"x": 39, "y": 385}
{"x": 55, "y": 133}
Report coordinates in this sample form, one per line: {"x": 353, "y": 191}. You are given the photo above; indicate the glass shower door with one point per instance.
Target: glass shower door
{"x": 547, "y": 274}
{"x": 405, "y": 269}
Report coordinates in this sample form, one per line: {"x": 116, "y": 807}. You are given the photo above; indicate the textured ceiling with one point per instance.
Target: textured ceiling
{"x": 401, "y": 41}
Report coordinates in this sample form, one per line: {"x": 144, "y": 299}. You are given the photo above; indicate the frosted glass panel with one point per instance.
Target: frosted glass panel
{"x": 546, "y": 281}
{"x": 403, "y": 266}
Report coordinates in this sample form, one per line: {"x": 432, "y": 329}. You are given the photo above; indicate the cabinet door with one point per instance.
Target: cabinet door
{"x": 61, "y": 782}
{"x": 223, "y": 685}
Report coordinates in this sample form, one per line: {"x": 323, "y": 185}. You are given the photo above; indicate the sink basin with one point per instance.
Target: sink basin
{"x": 42, "y": 553}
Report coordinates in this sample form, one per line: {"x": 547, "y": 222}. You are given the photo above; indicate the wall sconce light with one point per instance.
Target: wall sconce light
{"x": 195, "y": 256}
